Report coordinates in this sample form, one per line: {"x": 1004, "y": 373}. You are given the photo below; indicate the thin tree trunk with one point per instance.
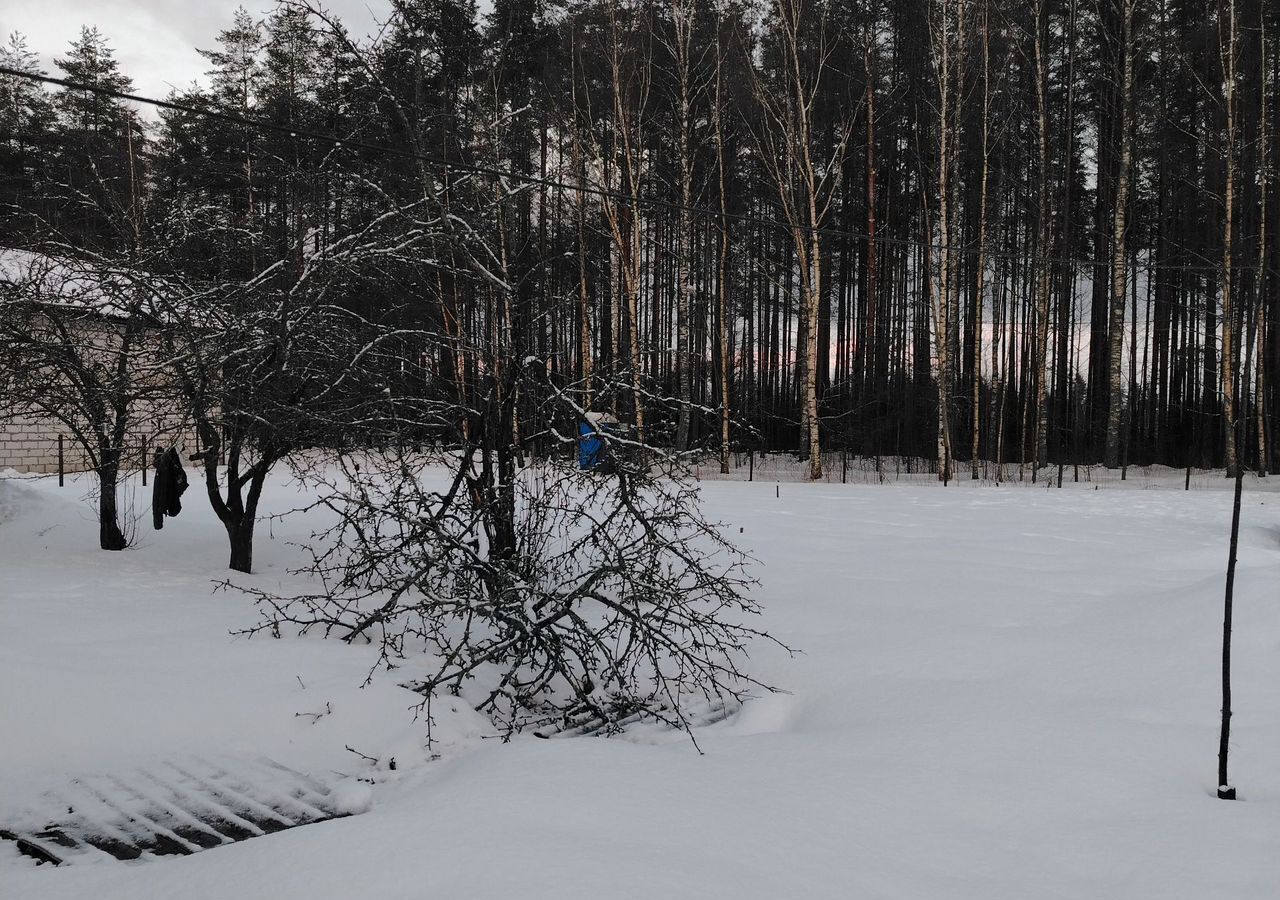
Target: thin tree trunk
{"x": 682, "y": 18}
{"x": 723, "y": 332}
{"x": 1264, "y": 176}
{"x": 1228, "y": 236}
{"x": 1119, "y": 257}
{"x": 867, "y": 350}
{"x": 812, "y": 299}
{"x": 950, "y": 31}
{"x": 981, "y": 262}
{"x": 1041, "y": 442}
{"x": 584, "y": 293}
{"x": 110, "y": 535}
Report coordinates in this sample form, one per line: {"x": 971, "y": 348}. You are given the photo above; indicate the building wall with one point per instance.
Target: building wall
{"x": 29, "y": 441}
{"x": 29, "y": 437}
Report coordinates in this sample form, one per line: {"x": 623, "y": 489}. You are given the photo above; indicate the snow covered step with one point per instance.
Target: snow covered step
{"x": 177, "y": 807}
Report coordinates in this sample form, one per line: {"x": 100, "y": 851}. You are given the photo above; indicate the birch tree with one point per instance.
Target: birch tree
{"x": 948, "y": 31}
{"x": 981, "y": 262}
{"x": 1044, "y": 213}
{"x": 1228, "y": 46}
{"x": 630, "y": 79}
{"x": 724, "y": 231}
{"x": 802, "y": 38}
{"x": 689, "y": 91}
{"x": 1119, "y": 236}
{"x": 1264, "y": 179}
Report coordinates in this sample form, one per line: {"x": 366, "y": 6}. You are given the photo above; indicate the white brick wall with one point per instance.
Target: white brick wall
{"x": 29, "y": 442}
{"x": 29, "y": 439}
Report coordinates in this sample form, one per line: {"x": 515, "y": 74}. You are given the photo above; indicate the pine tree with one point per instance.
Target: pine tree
{"x": 101, "y": 149}
{"x": 26, "y": 125}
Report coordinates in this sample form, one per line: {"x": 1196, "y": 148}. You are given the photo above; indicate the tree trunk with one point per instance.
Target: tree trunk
{"x": 240, "y": 535}
{"x": 1231, "y": 433}
{"x": 981, "y": 262}
{"x": 580, "y": 208}
{"x": 1041, "y": 443}
{"x": 633, "y": 324}
{"x": 867, "y": 351}
{"x": 682, "y": 17}
{"x": 1119, "y": 257}
{"x": 1264, "y": 153}
{"x": 811, "y": 300}
{"x": 949, "y": 38}
{"x": 110, "y": 535}
{"x": 724, "y": 337}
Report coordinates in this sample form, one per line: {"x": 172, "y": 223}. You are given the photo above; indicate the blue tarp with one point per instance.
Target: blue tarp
{"x": 591, "y": 449}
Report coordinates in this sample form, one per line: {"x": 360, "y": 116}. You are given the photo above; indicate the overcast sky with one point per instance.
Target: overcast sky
{"x": 155, "y": 40}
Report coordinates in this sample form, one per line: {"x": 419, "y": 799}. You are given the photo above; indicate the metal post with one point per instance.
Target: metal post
{"x": 144, "y": 460}
{"x": 1225, "y": 790}
{"x": 61, "y": 468}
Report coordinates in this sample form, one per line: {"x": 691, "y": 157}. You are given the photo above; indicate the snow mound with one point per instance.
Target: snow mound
{"x": 14, "y": 498}
{"x": 351, "y": 798}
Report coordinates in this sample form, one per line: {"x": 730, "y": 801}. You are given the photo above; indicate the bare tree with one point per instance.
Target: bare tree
{"x": 1119, "y": 233}
{"x": 284, "y": 362}
{"x": 868, "y": 346}
{"x": 949, "y": 34}
{"x": 1264, "y": 179}
{"x": 1044, "y": 214}
{"x": 79, "y": 340}
{"x": 690, "y": 87}
{"x": 542, "y": 592}
{"x": 605, "y": 597}
{"x": 724, "y": 329}
{"x": 981, "y": 262}
{"x": 630, "y": 80}
{"x": 805, "y": 181}
{"x": 1228, "y": 47}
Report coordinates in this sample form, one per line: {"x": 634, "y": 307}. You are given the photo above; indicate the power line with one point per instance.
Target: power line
{"x": 473, "y": 169}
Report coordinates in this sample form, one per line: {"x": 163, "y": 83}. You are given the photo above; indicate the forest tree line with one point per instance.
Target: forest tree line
{"x": 1008, "y": 232}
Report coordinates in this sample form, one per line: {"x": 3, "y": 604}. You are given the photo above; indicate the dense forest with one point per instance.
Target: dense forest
{"x": 1017, "y": 232}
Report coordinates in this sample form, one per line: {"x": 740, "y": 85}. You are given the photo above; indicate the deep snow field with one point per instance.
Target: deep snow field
{"x": 1004, "y": 692}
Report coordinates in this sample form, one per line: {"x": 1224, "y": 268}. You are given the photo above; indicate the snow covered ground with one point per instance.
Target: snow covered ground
{"x": 1004, "y": 693}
